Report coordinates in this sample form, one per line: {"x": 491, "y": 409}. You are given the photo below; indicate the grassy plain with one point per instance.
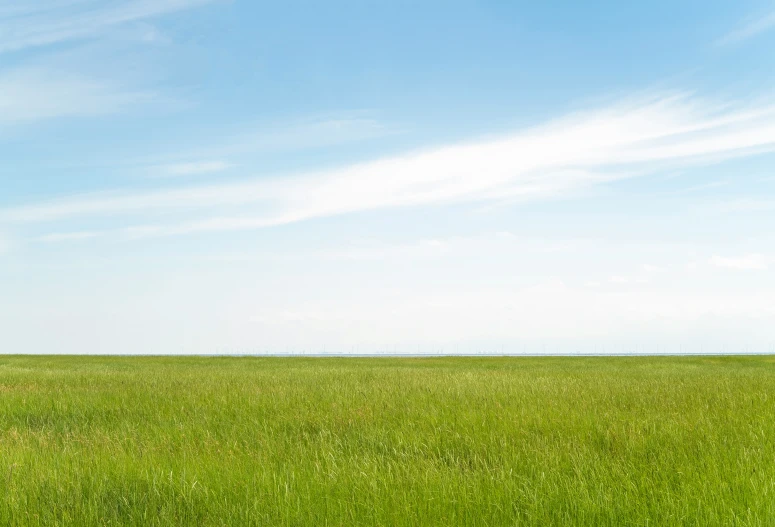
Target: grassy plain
{"x": 437, "y": 441}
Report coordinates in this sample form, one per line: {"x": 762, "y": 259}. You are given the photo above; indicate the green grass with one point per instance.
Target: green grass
{"x": 441, "y": 441}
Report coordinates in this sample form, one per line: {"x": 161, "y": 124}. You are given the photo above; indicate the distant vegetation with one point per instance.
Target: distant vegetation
{"x": 441, "y": 441}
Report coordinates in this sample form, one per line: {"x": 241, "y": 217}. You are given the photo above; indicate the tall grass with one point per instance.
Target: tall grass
{"x": 441, "y": 441}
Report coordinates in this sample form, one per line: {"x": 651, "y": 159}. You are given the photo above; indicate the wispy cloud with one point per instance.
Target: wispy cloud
{"x": 748, "y": 262}
{"x": 620, "y": 279}
{"x": 697, "y": 188}
{"x": 68, "y": 236}
{"x": 318, "y": 132}
{"x": 192, "y": 168}
{"x": 35, "y": 93}
{"x": 294, "y": 135}
{"x": 32, "y": 24}
{"x": 636, "y": 137}
{"x": 738, "y": 205}
{"x": 52, "y": 85}
{"x": 501, "y": 243}
{"x": 751, "y": 28}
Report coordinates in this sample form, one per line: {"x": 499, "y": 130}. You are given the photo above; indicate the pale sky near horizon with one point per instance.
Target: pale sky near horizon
{"x": 214, "y": 176}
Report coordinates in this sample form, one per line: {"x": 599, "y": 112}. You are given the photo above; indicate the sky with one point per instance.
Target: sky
{"x": 214, "y": 176}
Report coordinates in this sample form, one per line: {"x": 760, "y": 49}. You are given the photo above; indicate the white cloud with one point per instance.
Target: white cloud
{"x": 311, "y": 133}
{"x": 748, "y": 262}
{"x": 636, "y": 137}
{"x": 33, "y": 94}
{"x": 501, "y": 246}
{"x": 704, "y": 186}
{"x": 5, "y": 244}
{"x": 47, "y": 22}
{"x": 753, "y": 27}
{"x": 316, "y": 132}
{"x": 68, "y": 236}
{"x": 738, "y": 205}
{"x": 151, "y": 34}
{"x": 303, "y": 134}
{"x": 192, "y": 168}
{"x": 621, "y": 279}
{"x": 385, "y": 252}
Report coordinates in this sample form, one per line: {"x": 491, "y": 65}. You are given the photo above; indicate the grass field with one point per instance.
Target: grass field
{"x": 441, "y": 441}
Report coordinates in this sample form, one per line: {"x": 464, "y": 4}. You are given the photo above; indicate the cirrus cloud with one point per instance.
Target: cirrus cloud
{"x": 632, "y": 138}
{"x": 44, "y": 22}
{"x": 748, "y": 262}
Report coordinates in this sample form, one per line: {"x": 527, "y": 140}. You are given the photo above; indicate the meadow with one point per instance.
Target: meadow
{"x": 387, "y": 441}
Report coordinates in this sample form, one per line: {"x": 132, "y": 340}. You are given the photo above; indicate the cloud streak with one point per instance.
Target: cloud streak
{"x": 216, "y": 153}
{"x": 51, "y": 21}
{"x": 750, "y": 29}
{"x": 748, "y": 262}
{"x": 626, "y": 139}
{"x": 67, "y": 237}
{"x": 34, "y": 94}
{"x": 317, "y": 133}
{"x": 192, "y": 168}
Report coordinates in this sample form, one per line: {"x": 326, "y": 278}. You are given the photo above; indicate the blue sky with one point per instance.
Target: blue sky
{"x": 206, "y": 176}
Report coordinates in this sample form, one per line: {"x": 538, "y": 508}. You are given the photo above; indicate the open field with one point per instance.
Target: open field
{"x": 444, "y": 441}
